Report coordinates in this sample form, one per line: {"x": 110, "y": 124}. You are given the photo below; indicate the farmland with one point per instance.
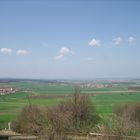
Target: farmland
{"x": 47, "y": 93}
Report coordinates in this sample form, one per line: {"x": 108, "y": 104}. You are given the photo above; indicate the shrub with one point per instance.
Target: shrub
{"x": 59, "y": 118}
{"x": 83, "y": 111}
{"x": 30, "y": 121}
{"x": 112, "y": 129}
{"x": 129, "y": 115}
{"x": 125, "y": 122}
{"x": 76, "y": 114}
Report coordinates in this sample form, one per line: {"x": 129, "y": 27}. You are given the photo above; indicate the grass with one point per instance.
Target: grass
{"x": 104, "y": 99}
{"x": 104, "y": 103}
{"x": 5, "y": 118}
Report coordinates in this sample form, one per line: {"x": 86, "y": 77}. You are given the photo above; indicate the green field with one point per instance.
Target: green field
{"x": 104, "y": 99}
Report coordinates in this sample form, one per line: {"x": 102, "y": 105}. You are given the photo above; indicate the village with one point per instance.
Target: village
{"x": 95, "y": 85}
{"x": 7, "y": 90}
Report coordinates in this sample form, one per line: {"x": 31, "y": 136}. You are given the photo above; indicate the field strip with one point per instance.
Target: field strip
{"x": 120, "y": 91}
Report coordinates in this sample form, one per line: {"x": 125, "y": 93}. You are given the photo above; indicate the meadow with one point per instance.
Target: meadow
{"x": 104, "y": 99}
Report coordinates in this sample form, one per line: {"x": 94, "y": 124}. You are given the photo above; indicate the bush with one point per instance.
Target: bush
{"x": 129, "y": 111}
{"x": 129, "y": 115}
{"x": 83, "y": 111}
{"x": 58, "y": 121}
{"x": 124, "y": 122}
{"x": 30, "y": 121}
{"x": 76, "y": 114}
{"x": 112, "y": 129}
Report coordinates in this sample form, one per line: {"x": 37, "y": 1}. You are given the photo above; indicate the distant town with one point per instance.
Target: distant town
{"x": 7, "y": 90}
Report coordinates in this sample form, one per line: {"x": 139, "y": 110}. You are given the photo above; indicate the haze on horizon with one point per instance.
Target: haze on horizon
{"x": 70, "y": 39}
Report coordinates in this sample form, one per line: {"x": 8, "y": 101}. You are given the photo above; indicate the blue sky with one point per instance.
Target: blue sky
{"x": 70, "y": 39}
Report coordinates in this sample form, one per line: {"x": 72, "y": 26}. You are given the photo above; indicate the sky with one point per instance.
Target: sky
{"x": 53, "y": 39}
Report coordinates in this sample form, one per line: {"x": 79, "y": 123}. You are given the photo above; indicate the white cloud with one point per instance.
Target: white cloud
{"x": 6, "y": 51}
{"x": 89, "y": 58}
{"x": 94, "y": 43}
{"x": 60, "y": 56}
{"x": 131, "y": 39}
{"x": 22, "y": 52}
{"x": 117, "y": 40}
{"x": 63, "y": 52}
